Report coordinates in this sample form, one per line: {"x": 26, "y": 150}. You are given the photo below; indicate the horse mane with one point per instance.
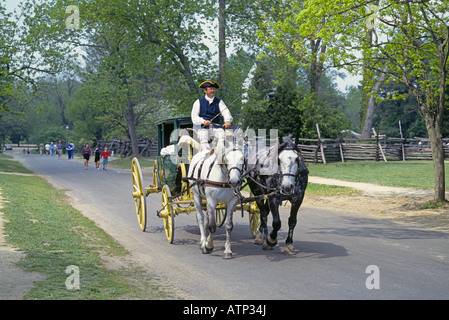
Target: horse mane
{"x": 288, "y": 143}
{"x": 234, "y": 137}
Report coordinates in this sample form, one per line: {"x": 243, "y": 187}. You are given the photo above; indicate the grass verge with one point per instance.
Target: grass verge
{"x": 54, "y": 236}
{"x": 409, "y": 174}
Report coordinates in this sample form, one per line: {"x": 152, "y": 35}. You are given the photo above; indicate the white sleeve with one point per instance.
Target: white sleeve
{"x": 227, "y": 117}
{"x": 195, "y": 115}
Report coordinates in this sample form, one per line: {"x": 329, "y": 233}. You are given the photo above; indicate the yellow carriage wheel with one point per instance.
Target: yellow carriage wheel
{"x": 139, "y": 194}
{"x": 254, "y": 218}
{"x": 167, "y": 214}
{"x": 186, "y": 193}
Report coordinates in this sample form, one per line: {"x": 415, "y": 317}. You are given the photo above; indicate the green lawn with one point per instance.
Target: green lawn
{"x": 55, "y": 236}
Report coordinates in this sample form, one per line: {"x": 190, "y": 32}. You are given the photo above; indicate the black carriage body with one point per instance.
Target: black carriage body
{"x": 167, "y": 165}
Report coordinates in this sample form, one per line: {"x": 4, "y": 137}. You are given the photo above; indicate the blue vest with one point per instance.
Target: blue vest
{"x": 209, "y": 111}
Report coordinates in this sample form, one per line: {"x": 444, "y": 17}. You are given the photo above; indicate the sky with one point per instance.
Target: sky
{"x": 11, "y": 4}
{"x": 341, "y": 84}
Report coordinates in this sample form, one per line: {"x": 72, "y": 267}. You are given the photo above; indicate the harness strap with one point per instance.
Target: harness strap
{"x": 216, "y": 184}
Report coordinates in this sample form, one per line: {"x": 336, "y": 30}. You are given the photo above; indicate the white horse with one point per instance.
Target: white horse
{"x": 215, "y": 175}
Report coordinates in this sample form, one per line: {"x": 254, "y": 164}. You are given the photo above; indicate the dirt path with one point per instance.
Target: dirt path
{"x": 374, "y": 189}
{"x": 406, "y": 205}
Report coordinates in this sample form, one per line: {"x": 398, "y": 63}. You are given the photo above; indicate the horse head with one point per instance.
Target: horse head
{"x": 289, "y": 164}
{"x": 234, "y": 158}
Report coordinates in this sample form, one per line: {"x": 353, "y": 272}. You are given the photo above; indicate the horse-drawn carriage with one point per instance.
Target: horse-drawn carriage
{"x": 170, "y": 179}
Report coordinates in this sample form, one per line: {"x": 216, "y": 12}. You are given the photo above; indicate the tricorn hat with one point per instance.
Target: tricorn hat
{"x": 207, "y": 84}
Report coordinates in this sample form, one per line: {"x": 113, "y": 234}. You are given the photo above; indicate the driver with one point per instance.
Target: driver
{"x": 205, "y": 115}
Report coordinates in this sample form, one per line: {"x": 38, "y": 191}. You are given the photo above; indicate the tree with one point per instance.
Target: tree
{"x": 237, "y": 21}
{"x": 283, "y": 33}
{"x": 137, "y": 42}
{"x": 411, "y": 40}
{"x": 30, "y": 46}
{"x": 279, "y": 98}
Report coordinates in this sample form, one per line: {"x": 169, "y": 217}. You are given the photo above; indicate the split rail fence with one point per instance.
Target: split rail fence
{"x": 374, "y": 149}
{"x": 321, "y": 150}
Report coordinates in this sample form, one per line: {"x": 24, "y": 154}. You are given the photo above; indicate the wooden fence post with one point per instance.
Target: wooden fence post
{"x": 321, "y": 145}
{"x": 379, "y": 145}
{"x": 342, "y": 156}
{"x": 402, "y": 141}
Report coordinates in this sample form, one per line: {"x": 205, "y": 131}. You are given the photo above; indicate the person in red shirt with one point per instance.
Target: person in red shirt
{"x": 105, "y": 154}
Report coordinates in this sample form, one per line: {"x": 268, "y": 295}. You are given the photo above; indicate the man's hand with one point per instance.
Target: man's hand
{"x": 227, "y": 125}
{"x": 207, "y": 123}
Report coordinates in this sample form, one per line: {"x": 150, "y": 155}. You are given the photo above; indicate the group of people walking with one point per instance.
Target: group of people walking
{"x": 87, "y": 152}
{"x": 56, "y": 149}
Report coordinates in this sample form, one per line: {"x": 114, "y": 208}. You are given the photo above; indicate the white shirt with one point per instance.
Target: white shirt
{"x": 198, "y": 121}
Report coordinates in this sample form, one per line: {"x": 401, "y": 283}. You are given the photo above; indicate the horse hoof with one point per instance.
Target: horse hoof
{"x": 206, "y": 250}
{"x": 259, "y": 239}
{"x": 271, "y": 242}
{"x": 290, "y": 250}
{"x": 267, "y": 247}
{"x": 227, "y": 255}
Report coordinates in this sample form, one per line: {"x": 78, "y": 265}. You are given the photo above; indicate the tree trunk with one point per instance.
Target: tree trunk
{"x": 129, "y": 115}
{"x": 316, "y": 67}
{"x": 368, "y": 123}
{"x": 436, "y": 143}
{"x": 222, "y": 43}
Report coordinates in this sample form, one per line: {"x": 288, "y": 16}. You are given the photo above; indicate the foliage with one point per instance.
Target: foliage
{"x": 410, "y": 45}
{"x": 143, "y": 61}
{"x": 280, "y": 99}
{"x": 22, "y": 58}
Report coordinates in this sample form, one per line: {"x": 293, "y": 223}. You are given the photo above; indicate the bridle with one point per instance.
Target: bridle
{"x": 296, "y": 175}
{"x": 228, "y": 171}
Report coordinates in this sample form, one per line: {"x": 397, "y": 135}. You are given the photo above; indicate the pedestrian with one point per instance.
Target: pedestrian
{"x": 52, "y": 148}
{"x": 69, "y": 149}
{"x": 97, "y": 158}
{"x": 105, "y": 155}
{"x": 86, "y": 155}
{"x": 73, "y": 150}
{"x": 47, "y": 148}
{"x": 59, "y": 149}
{"x": 246, "y": 147}
{"x": 41, "y": 148}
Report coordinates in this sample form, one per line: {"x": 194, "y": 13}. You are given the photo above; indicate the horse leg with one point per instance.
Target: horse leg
{"x": 272, "y": 238}
{"x": 263, "y": 228}
{"x": 211, "y": 226}
{"x": 200, "y": 217}
{"x": 289, "y": 249}
{"x": 228, "y": 226}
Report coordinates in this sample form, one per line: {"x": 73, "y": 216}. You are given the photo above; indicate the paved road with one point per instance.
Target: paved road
{"x": 335, "y": 249}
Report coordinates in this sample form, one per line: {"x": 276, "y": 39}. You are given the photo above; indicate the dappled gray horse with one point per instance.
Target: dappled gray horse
{"x": 288, "y": 182}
